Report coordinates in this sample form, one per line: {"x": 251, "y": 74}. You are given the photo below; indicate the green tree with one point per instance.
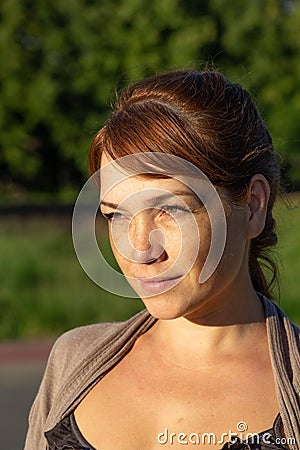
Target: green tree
{"x": 61, "y": 61}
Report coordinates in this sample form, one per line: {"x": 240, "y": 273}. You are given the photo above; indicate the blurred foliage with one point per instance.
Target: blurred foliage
{"x": 44, "y": 290}
{"x": 61, "y": 61}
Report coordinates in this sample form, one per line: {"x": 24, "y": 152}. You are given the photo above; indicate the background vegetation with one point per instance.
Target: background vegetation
{"x": 60, "y": 64}
{"x": 61, "y": 61}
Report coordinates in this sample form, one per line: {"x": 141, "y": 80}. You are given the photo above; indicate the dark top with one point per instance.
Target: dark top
{"x": 67, "y": 436}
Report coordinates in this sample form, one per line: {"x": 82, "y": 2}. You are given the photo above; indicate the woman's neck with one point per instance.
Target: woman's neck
{"x": 222, "y": 332}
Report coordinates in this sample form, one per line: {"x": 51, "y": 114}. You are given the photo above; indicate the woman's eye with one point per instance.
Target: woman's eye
{"x": 114, "y": 216}
{"x": 174, "y": 209}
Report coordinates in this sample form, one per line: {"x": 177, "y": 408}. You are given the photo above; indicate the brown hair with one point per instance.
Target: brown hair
{"x": 209, "y": 121}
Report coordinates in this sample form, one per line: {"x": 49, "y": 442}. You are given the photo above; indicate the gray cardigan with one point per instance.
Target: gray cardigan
{"x": 81, "y": 357}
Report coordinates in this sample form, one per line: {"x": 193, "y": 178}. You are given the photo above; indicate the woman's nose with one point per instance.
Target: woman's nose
{"x": 146, "y": 240}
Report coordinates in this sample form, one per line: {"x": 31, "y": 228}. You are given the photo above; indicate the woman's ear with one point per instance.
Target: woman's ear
{"x": 258, "y": 198}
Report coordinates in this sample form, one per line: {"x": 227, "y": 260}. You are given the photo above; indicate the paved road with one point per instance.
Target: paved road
{"x": 21, "y": 368}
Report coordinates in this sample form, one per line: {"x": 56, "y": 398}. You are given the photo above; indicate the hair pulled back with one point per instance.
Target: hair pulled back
{"x": 209, "y": 121}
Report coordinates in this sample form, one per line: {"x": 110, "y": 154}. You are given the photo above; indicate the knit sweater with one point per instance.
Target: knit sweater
{"x": 81, "y": 357}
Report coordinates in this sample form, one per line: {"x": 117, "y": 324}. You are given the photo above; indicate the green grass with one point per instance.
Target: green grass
{"x": 44, "y": 291}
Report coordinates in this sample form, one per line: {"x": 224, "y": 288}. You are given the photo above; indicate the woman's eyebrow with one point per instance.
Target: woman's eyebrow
{"x": 111, "y": 205}
{"x": 161, "y": 198}
{"x": 155, "y": 200}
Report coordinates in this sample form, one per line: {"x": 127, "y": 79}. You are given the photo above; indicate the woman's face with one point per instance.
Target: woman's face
{"x": 160, "y": 233}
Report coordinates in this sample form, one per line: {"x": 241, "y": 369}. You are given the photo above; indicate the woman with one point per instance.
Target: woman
{"x": 207, "y": 362}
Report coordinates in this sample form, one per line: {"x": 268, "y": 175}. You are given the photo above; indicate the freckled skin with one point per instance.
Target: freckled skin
{"x": 173, "y": 226}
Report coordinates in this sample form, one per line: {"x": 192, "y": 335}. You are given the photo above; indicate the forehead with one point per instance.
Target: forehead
{"x": 118, "y": 183}
{"x": 142, "y": 187}
{"x": 115, "y": 182}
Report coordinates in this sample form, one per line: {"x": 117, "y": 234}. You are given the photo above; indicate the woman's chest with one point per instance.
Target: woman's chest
{"x": 151, "y": 407}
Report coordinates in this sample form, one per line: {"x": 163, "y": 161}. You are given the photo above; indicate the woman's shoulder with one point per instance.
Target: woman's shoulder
{"x": 85, "y": 336}
{"x": 89, "y": 338}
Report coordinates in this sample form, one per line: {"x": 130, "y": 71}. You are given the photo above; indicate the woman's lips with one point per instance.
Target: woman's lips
{"x": 157, "y": 286}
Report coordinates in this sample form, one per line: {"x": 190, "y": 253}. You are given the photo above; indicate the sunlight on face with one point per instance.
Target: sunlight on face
{"x": 156, "y": 226}
{"x": 176, "y": 246}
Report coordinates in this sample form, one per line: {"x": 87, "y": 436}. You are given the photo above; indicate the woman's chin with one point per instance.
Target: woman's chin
{"x": 165, "y": 302}
{"x": 163, "y": 307}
